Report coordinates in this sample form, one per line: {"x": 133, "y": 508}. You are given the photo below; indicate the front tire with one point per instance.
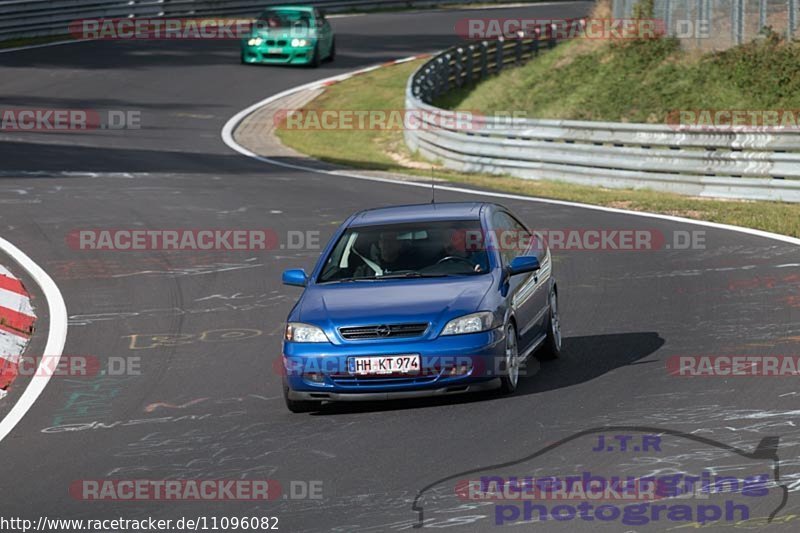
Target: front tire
{"x": 510, "y": 377}
{"x": 332, "y": 54}
{"x": 299, "y": 406}
{"x": 315, "y": 60}
{"x": 551, "y": 349}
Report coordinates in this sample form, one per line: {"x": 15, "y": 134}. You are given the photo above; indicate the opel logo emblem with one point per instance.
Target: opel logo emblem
{"x": 382, "y": 331}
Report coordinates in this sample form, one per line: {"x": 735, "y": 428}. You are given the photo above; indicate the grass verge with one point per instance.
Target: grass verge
{"x": 383, "y": 89}
{"x": 641, "y": 81}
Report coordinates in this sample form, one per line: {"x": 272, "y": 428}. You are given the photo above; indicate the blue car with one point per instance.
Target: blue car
{"x": 420, "y": 300}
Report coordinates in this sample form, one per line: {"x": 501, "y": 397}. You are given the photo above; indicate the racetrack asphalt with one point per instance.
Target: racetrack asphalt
{"x": 207, "y": 327}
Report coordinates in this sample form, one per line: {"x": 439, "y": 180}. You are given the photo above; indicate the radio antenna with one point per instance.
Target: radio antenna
{"x": 433, "y": 187}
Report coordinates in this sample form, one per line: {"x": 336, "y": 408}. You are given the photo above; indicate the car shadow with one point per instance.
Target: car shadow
{"x": 583, "y": 359}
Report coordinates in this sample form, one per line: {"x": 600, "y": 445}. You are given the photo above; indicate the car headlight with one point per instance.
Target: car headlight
{"x": 299, "y": 332}
{"x": 255, "y": 41}
{"x": 474, "y": 323}
{"x": 299, "y": 42}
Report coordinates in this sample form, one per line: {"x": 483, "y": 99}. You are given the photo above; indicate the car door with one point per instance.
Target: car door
{"x": 324, "y": 33}
{"x": 526, "y": 291}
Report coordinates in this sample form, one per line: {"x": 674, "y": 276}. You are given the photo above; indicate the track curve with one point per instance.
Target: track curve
{"x": 207, "y": 405}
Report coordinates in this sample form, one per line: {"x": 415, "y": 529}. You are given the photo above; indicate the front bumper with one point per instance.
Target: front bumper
{"x": 271, "y": 54}
{"x": 448, "y": 365}
{"x": 397, "y": 395}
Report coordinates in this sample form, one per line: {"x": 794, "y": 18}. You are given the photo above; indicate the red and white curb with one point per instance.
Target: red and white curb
{"x": 16, "y": 326}
{"x": 56, "y": 335}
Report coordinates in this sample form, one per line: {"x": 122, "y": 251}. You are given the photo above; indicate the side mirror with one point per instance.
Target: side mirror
{"x": 296, "y": 277}
{"x": 523, "y": 264}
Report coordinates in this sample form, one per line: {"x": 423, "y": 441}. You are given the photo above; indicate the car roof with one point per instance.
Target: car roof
{"x": 418, "y": 212}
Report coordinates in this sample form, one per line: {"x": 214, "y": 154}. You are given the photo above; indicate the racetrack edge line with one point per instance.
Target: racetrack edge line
{"x": 233, "y": 122}
{"x": 56, "y": 337}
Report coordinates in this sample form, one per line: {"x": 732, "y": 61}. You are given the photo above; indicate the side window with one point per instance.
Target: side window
{"x": 511, "y": 237}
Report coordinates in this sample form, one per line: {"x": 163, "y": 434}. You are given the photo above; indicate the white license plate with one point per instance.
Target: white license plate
{"x": 388, "y": 364}
{"x": 274, "y": 50}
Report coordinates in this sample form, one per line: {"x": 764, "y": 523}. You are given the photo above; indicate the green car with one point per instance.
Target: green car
{"x": 297, "y": 35}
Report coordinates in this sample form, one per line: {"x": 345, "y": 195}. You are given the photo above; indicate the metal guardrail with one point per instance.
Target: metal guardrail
{"x": 754, "y": 165}
{"x": 35, "y": 18}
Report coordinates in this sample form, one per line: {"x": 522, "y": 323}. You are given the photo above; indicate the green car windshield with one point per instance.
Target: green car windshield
{"x": 284, "y": 18}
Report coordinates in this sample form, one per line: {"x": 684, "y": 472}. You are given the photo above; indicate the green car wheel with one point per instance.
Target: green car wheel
{"x": 332, "y": 54}
{"x": 315, "y": 61}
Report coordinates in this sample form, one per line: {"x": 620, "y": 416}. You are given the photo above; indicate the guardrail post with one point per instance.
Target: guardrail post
{"x": 498, "y": 54}
{"x": 437, "y": 76}
{"x": 457, "y": 68}
{"x": 518, "y": 49}
{"x": 470, "y": 63}
{"x": 792, "y": 18}
{"x": 422, "y": 85}
{"x": 484, "y": 59}
{"x": 446, "y": 73}
{"x": 535, "y": 43}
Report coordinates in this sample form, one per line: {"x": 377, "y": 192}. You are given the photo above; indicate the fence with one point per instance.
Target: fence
{"x": 719, "y": 24}
{"x": 750, "y": 165}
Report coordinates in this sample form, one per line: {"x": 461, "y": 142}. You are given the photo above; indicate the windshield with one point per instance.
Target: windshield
{"x": 273, "y": 19}
{"x": 423, "y": 249}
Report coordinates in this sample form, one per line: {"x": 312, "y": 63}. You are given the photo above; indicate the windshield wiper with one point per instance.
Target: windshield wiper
{"x": 412, "y": 275}
{"x": 404, "y": 275}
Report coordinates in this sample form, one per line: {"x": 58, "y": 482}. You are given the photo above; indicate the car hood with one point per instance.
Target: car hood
{"x": 392, "y": 301}
{"x": 284, "y": 33}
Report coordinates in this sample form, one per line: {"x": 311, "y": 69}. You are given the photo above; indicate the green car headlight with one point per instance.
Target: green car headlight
{"x": 299, "y": 42}
{"x": 255, "y": 41}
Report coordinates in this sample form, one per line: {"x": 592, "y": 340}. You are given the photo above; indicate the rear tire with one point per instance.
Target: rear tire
{"x": 551, "y": 349}
{"x": 299, "y": 406}
{"x": 510, "y": 377}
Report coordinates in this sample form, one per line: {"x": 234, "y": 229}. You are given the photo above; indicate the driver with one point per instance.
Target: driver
{"x": 272, "y": 21}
